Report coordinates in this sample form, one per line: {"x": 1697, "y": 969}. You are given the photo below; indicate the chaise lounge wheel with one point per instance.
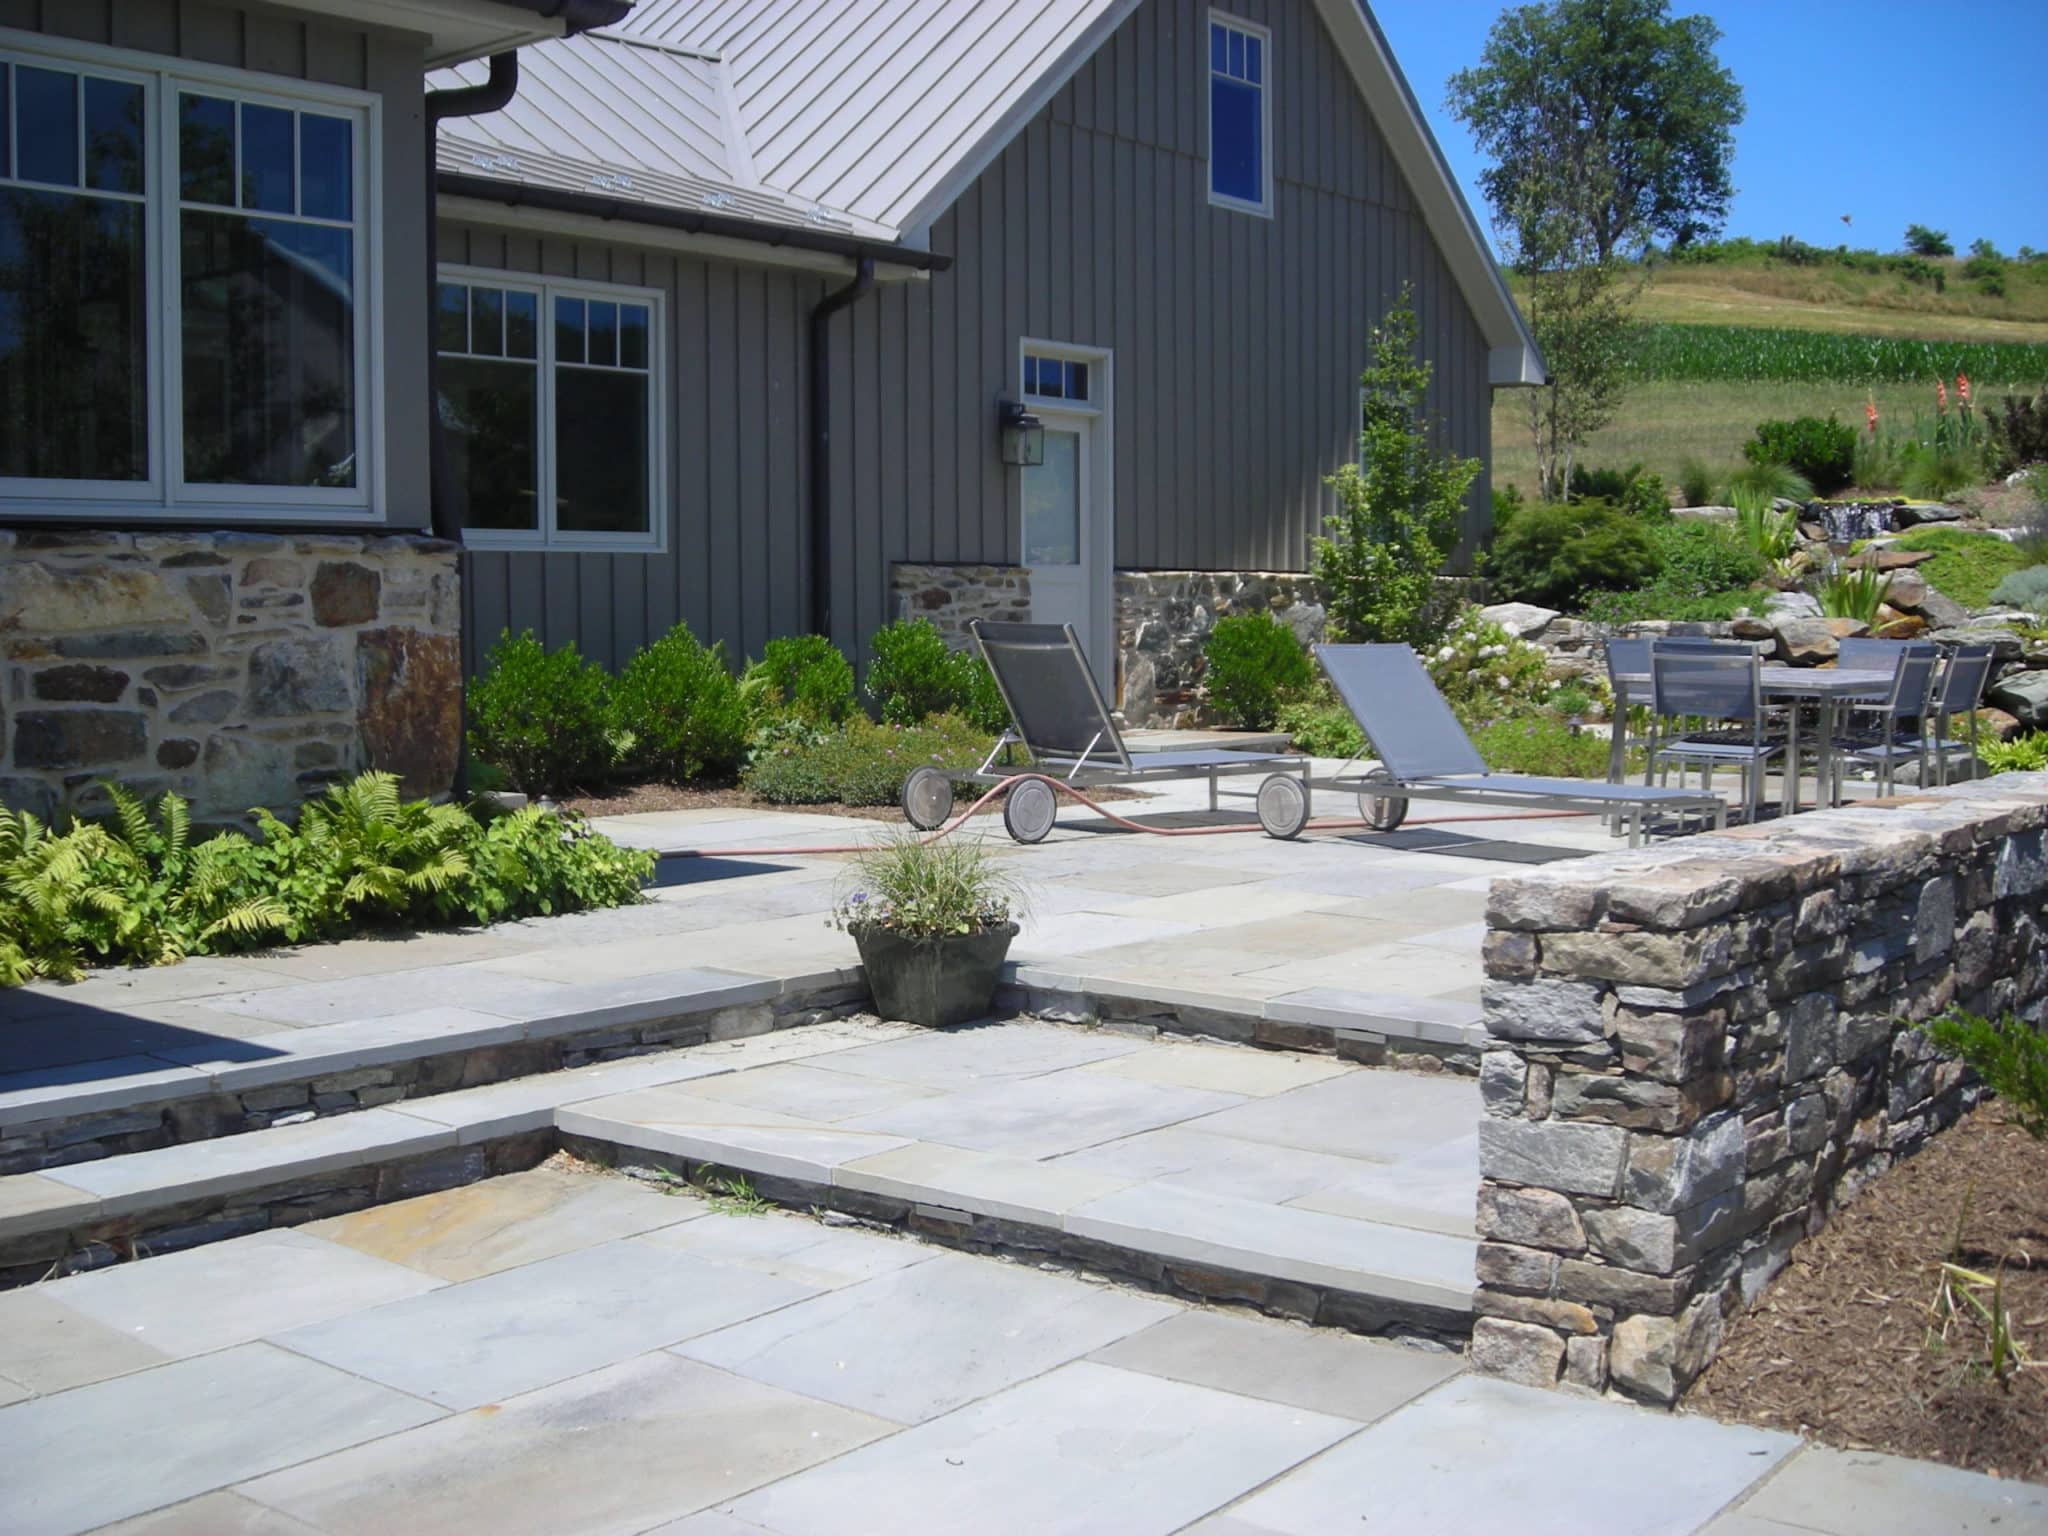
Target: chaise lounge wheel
{"x": 1028, "y": 810}
{"x": 927, "y": 798}
{"x": 1383, "y": 813}
{"x": 1283, "y": 806}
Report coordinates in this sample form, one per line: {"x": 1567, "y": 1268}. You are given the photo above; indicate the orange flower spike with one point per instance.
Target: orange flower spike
{"x": 1870, "y": 413}
{"x": 1940, "y": 398}
{"x": 1963, "y": 388}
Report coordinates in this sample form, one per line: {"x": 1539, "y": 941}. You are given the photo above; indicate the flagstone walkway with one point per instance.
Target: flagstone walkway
{"x": 566, "y": 1352}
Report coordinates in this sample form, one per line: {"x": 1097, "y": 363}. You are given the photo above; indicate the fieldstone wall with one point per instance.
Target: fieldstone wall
{"x": 953, "y": 596}
{"x": 1162, "y": 620}
{"x": 239, "y": 669}
{"x": 1701, "y": 1049}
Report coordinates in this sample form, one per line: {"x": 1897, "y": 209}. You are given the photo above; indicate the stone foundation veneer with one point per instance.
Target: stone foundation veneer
{"x": 239, "y": 669}
{"x": 1702, "y": 1049}
{"x": 1163, "y": 619}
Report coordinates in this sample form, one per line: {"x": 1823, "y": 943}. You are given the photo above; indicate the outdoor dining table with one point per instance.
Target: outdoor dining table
{"x": 1829, "y": 687}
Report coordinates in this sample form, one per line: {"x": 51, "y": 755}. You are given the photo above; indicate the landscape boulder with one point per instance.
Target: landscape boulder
{"x": 1792, "y": 605}
{"x": 1704, "y": 514}
{"x": 1904, "y": 626}
{"x": 1846, "y": 629}
{"x": 1911, "y": 514}
{"x": 1519, "y": 619}
{"x": 2005, "y": 645}
{"x": 2025, "y": 696}
{"x": 1907, "y": 591}
{"x": 1942, "y": 611}
{"x": 1806, "y": 642}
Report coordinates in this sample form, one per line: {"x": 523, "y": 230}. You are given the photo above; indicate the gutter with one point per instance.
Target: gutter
{"x": 694, "y": 221}
{"x": 469, "y": 101}
{"x": 819, "y": 512}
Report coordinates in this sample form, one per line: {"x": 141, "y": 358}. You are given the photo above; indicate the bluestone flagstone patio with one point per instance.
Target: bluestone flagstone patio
{"x": 567, "y": 1351}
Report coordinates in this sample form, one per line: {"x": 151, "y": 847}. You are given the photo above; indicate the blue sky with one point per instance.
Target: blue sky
{"x": 1888, "y": 111}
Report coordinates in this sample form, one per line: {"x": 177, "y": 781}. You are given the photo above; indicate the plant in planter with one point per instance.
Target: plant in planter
{"x": 933, "y": 921}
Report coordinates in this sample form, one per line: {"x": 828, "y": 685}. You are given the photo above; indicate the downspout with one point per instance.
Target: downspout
{"x": 470, "y": 101}
{"x": 821, "y": 440}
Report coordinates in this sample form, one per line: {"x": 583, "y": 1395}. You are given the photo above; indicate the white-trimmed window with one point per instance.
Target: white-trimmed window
{"x": 550, "y": 396}
{"x": 185, "y": 293}
{"x": 1050, "y": 377}
{"x": 1240, "y": 115}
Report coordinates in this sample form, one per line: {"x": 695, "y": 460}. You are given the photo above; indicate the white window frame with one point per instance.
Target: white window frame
{"x": 1263, "y": 208}
{"x": 1097, "y": 359}
{"x": 164, "y": 495}
{"x": 546, "y": 536}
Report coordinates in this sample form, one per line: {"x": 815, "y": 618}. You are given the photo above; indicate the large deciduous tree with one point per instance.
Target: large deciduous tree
{"x": 1616, "y": 95}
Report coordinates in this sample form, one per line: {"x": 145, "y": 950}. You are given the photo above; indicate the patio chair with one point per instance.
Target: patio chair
{"x": 1722, "y": 689}
{"x": 1424, "y": 754}
{"x": 1062, "y": 725}
{"x": 1887, "y": 739}
{"x": 1959, "y": 692}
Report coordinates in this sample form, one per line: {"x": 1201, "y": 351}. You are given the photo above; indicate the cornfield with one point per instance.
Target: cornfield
{"x": 1754, "y": 354}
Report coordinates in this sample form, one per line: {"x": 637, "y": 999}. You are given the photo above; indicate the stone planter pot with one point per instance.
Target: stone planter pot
{"x": 934, "y": 982}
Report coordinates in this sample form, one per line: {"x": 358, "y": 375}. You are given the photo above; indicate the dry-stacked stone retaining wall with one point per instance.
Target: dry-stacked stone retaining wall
{"x": 1701, "y": 1049}
{"x": 239, "y": 669}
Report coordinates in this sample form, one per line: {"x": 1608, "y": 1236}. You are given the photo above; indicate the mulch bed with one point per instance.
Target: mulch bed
{"x": 1838, "y": 1347}
{"x": 641, "y": 798}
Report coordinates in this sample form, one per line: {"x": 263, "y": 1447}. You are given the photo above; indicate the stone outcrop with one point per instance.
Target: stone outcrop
{"x": 1700, "y": 1050}
{"x": 238, "y": 669}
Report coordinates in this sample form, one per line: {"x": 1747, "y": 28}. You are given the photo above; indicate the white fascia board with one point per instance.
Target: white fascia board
{"x": 455, "y": 29}
{"x": 584, "y": 226}
{"x": 1458, "y": 236}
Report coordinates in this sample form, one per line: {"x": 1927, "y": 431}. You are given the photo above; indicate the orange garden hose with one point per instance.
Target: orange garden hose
{"x": 1074, "y": 793}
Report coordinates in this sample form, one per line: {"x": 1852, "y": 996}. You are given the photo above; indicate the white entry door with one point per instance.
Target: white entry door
{"x": 1066, "y": 514}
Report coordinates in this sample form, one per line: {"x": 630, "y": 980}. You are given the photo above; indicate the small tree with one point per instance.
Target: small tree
{"x": 1922, "y": 241}
{"x": 1397, "y": 509}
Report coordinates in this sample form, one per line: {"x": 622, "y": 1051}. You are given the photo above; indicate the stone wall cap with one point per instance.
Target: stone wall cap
{"x": 1699, "y": 879}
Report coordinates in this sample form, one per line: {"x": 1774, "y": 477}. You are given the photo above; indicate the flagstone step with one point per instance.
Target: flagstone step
{"x": 191, "y": 1086}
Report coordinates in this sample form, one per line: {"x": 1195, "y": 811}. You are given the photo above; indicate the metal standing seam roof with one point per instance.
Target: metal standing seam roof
{"x": 866, "y": 118}
{"x": 838, "y": 114}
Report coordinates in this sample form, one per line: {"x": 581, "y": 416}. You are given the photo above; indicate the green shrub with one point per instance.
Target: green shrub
{"x": 1822, "y": 452}
{"x": 914, "y": 675}
{"x": 1880, "y": 461}
{"x": 2012, "y": 1058}
{"x": 1655, "y": 602}
{"x": 1558, "y": 555}
{"x": 135, "y": 889}
{"x": 2019, "y": 432}
{"x": 1253, "y": 664}
{"x": 678, "y": 712}
{"x": 1936, "y": 471}
{"x": 1697, "y": 559}
{"x": 803, "y": 675}
{"x": 2025, "y": 588}
{"x": 540, "y": 716}
{"x": 1696, "y": 483}
{"x": 1319, "y": 725}
{"x": 1633, "y": 490}
{"x": 1542, "y": 745}
{"x": 865, "y": 763}
{"x": 1479, "y": 664}
{"x": 1966, "y": 566}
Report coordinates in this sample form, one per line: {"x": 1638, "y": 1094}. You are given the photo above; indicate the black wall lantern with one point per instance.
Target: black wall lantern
{"x": 1023, "y": 435}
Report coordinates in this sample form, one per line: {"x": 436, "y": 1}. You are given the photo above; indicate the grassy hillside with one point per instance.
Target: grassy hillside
{"x": 1735, "y": 341}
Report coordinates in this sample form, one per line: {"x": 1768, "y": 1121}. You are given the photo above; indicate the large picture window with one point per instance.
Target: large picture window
{"x": 182, "y": 314}
{"x": 549, "y": 397}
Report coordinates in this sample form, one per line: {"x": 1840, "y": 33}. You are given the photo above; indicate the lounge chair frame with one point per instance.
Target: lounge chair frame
{"x": 1449, "y": 768}
{"x": 1074, "y": 739}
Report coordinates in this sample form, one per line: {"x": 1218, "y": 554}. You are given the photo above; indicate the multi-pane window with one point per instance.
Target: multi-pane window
{"x": 552, "y": 422}
{"x": 1055, "y": 378}
{"x": 180, "y": 263}
{"x": 1238, "y": 173}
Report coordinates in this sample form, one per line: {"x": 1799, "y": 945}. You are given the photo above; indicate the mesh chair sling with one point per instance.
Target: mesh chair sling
{"x": 1063, "y": 727}
{"x": 1889, "y": 741}
{"x": 1424, "y": 754}
{"x": 1960, "y": 692}
{"x": 1721, "y": 686}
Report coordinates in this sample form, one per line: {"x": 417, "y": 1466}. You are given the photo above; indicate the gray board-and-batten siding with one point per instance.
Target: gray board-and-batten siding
{"x": 1237, "y": 345}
